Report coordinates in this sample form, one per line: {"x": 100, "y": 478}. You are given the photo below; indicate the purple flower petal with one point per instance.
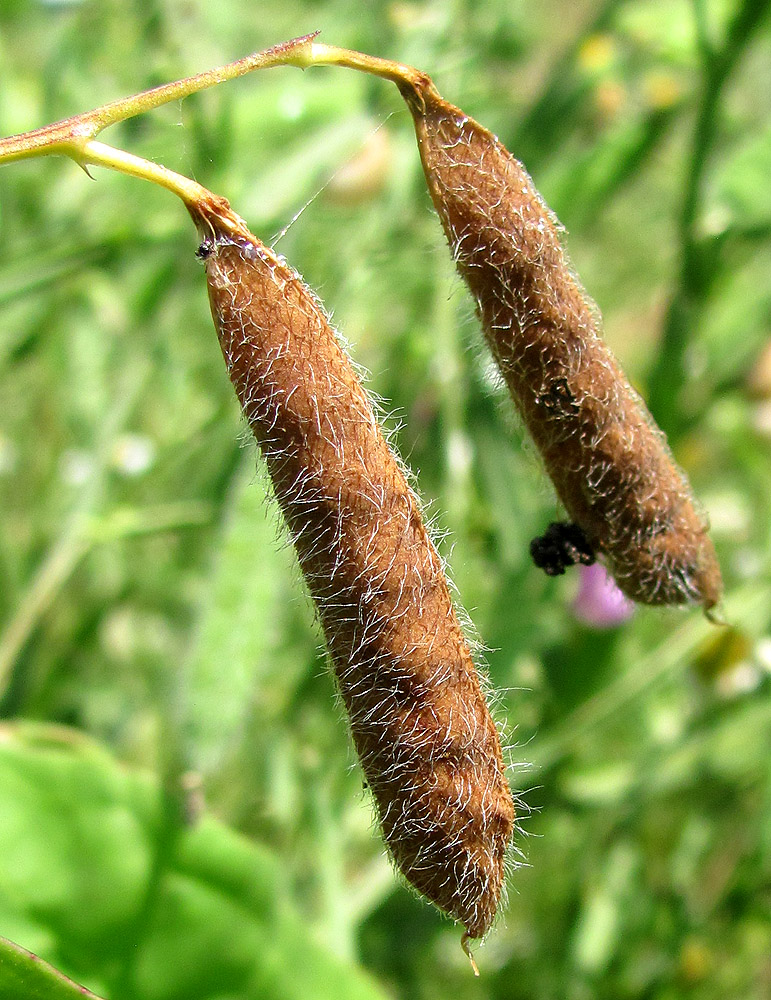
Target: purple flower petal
{"x": 599, "y": 603}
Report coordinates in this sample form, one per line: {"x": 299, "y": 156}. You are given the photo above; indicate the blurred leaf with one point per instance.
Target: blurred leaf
{"x": 237, "y": 633}
{"x": 78, "y": 836}
{"x": 287, "y": 186}
{"x": 600, "y": 924}
{"x": 721, "y": 652}
{"x": 605, "y": 784}
{"x": 742, "y": 196}
{"x": 583, "y": 186}
{"x": 665, "y": 29}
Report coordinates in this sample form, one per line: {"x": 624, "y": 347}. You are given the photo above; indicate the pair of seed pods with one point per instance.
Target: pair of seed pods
{"x": 428, "y": 747}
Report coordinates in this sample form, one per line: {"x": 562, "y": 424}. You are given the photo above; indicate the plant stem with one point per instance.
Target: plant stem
{"x": 199, "y": 201}
{"x": 49, "y": 579}
{"x": 701, "y": 23}
{"x": 318, "y": 54}
{"x": 76, "y": 136}
{"x": 94, "y": 153}
{"x": 72, "y": 134}
{"x": 668, "y": 374}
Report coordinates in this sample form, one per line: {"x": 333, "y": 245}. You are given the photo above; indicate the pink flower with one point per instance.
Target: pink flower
{"x": 599, "y": 603}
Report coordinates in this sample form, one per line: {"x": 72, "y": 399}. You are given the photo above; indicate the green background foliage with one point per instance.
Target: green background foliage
{"x": 180, "y": 810}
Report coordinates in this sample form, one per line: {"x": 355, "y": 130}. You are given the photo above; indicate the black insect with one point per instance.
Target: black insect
{"x": 562, "y": 545}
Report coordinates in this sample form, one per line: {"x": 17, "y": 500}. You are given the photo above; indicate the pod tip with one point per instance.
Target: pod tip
{"x": 464, "y": 943}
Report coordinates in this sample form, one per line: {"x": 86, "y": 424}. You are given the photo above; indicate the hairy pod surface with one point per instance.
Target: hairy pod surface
{"x": 427, "y": 743}
{"x": 609, "y": 462}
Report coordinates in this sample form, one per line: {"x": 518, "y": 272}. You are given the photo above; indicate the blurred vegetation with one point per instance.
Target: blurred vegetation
{"x": 180, "y": 811}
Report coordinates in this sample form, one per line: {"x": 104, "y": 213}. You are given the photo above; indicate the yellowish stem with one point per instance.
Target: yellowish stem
{"x": 318, "y": 54}
{"x": 76, "y": 137}
{"x": 62, "y": 136}
{"x": 200, "y": 202}
{"x": 99, "y": 154}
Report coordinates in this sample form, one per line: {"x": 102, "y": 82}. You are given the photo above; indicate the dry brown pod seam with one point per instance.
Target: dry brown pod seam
{"x": 427, "y": 743}
{"x": 609, "y": 462}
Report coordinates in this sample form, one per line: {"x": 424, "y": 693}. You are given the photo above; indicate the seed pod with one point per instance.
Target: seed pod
{"x": 427, "y": 744}
{"x": 608, "y": 460}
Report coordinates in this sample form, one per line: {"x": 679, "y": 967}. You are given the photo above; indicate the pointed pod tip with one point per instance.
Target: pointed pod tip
{"x": 464, "y": 943}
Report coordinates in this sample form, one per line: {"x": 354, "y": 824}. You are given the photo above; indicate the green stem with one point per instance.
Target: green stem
{"x": 99, "y": 154}
{"x": 76, "y": 137}
{"x": 668, "y": 374}
{"x": 701, "y": 23}
{"x": 48, "y": 582}
{"x": 68, "y": 550}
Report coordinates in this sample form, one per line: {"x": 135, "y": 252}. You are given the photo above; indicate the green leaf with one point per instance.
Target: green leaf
{"x": 24, "y": 976}
{"x": 86, "y": 857}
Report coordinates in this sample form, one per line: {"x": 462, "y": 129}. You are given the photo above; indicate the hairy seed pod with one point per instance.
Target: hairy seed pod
{"x": 427, "y": 743}
{"x": 608, "y": 460}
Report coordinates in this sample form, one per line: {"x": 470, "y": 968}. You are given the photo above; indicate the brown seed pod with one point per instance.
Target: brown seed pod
{"x": 609, "y": 462}
{"x": 427, "y": 743}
